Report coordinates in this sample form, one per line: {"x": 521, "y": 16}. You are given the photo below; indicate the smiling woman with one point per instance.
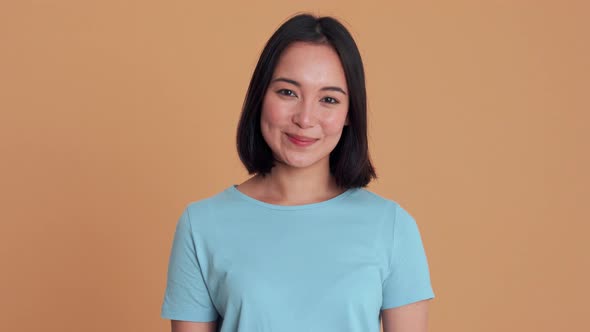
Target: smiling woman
{"x": 301, "y": 245}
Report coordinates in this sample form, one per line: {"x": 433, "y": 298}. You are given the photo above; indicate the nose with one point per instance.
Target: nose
{"x": 304, "y": 115}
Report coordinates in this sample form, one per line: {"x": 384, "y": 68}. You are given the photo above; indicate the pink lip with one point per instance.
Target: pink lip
{"x": 301, "y": 140}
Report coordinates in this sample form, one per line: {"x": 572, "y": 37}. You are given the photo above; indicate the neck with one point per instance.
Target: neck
{"x": 290, "y": 185}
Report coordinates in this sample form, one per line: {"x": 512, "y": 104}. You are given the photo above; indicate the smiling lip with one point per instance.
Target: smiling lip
{"x": 301, "y": 140}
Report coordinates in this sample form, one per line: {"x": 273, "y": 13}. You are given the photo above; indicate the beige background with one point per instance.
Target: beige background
{"x": 116, "y": 114}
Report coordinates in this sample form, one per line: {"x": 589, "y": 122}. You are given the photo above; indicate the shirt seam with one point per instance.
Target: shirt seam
{"x": 391, "y": 248}
{"x": 325, "y": 203}
{"x": 190, "y": 225}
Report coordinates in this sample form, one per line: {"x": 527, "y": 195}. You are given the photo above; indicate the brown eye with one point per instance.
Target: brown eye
{"x": 287, "y": 92}
{"x": 330, "y": 100}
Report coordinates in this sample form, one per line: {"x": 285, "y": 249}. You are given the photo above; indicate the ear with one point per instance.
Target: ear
{"x": 347, "y": 121}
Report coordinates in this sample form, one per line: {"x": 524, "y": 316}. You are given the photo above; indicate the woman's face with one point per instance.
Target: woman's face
{"x": 305, "y": 107}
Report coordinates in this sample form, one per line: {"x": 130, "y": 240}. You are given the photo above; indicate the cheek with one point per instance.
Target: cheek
{"x": 334, "y": 124}
{"x": 272, "y": 113}
{"x": 272, "y": 120}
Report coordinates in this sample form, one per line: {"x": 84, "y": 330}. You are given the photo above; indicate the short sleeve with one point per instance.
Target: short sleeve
{"x": 187, "y": 297}
{"x": 409, "y": 276}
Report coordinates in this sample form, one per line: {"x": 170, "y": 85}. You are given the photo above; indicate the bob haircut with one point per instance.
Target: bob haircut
{"x": 349, "y": 161}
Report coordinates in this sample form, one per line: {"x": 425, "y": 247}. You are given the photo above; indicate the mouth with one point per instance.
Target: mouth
{"x": 301, "y": 140}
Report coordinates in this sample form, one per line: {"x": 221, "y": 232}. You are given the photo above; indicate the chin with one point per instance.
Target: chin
{"x": 301, "y": 163}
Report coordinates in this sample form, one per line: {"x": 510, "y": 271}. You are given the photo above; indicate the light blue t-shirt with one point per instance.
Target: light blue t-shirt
{"x": 327, "y": 266}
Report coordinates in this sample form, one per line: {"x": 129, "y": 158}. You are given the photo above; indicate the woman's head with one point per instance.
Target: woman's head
{"x": 309, "y": 81}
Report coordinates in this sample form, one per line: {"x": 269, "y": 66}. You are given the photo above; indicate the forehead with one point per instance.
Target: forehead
{"x": 310, "y": 63}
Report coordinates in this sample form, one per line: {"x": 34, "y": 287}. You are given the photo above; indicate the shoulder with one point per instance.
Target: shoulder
{"x": 205, "y": 204}
{"x": 200, "y": 211}
{"x": 388, "y": 210}
{"x": 371, "y": 200}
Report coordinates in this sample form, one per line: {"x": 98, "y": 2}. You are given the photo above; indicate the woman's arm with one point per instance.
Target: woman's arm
{"x": 412, "y": 317}
{"x": 182, "y": 326}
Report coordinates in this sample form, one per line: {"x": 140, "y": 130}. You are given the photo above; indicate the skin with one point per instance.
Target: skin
{"x": 308, "y": 96}
{"x": 412, "y": 317}
{"x": 181, "y": 326}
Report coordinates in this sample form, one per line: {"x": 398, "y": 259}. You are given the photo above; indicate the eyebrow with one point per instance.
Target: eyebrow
{"x": 297, "y": 84}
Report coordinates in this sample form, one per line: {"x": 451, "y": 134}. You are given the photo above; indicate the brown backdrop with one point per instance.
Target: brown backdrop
{"x": 115, "y": 114}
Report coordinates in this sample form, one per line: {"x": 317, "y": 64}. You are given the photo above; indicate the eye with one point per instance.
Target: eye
{"x": 330, "y": 100}
{"x": 287, "y": 92}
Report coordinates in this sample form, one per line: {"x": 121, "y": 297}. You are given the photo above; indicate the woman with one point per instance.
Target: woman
{"x": 300, "y": 246}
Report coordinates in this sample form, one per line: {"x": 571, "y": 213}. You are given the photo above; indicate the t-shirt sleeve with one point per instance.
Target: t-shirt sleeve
{"x": 409, "y": 276}
{"x": 187, "y": 297}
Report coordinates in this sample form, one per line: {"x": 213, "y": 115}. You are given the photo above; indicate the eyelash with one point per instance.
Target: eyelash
{"x": 334, "y": 100}
{"x": 286, "y": 92}
{"x": 290, "y": 93}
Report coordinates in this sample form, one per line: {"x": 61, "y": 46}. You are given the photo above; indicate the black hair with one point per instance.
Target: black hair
{"x": 349, "y": 161}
